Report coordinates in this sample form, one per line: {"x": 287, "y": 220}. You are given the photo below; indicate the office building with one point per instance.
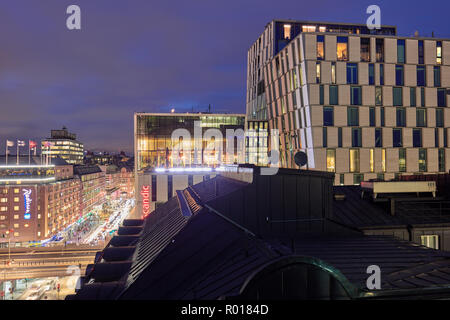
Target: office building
{"x": 63, "y": 144}
{"x": 158, "y": 176}
{"x": 364, "y": 104}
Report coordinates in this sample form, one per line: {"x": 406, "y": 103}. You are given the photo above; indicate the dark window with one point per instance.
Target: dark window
{"x": 437, "y": 76}
{"x": 421, "y": 76}
{"x": 421, "y": 51}
{"x": 372, "y": 117}
{"x": 169, "y": 187}
{"x": 397, "y": 139}
{"x": 436, "y": 138}
{"x": 422, "y": 97}
{"x": 421, "y": 117}
{"x": 358, "y": 178}
{"x": 378, "y": 96}
{"x": 321, "y": 95}
{"x": 341, "y": 179}
{"x": 380, "y": 50}
{"x": 412, "y": 97}
{"x": 371, "y": 74}
{"x": 355, "y": 96}
{"x": 353, "y": 117}
{"x": 399, "y": 81}
{"x": 154, "y": 190}
{"x": 325, "y": 137}
{"x": 398, "y": 96}
{"x": 378, "y": 138}
{"x": 328, "y": 117}
{"x": 441, "y": 97}
{"x": 422, "y": 160}
{"x": 381, "y": 74}
{"x": 417, "y": 138}
{"x": 439, "y": 118}
{"x": 356, "y": 138}
{"x": 445, "y": 138}
{"x": 401, "y": 117}
{"x": 352, "y": 73}
{"x": 441, "y": 160}
{"x": 401, "y": 51}
{"x": 365, "y": 49}
{"x": 382, "y": 116}
{"x": 340, "y": 137}
{"x": 190, "y": 180}
{"x": 334, "y": 95}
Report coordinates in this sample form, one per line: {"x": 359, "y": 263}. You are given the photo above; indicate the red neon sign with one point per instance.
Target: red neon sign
{"x": 145, "y": 192}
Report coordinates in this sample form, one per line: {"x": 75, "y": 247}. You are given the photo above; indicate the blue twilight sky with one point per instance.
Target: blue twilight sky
{"x": 146, "y": 55}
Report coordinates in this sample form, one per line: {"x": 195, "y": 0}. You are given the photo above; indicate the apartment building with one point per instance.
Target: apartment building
{"x": 63, "y": 144}
{"x": 364, "y": 104}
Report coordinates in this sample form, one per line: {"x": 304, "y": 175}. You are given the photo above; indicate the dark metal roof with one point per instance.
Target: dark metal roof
{"x": 361, "y": 213}
{"x": 82, "y": 170}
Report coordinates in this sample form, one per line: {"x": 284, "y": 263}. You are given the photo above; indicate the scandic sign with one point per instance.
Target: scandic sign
{"x": 145, "y": 192}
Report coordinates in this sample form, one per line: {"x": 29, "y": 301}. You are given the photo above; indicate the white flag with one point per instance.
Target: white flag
{"x": 20, "y": 143}
{"x": 9, "y": 143}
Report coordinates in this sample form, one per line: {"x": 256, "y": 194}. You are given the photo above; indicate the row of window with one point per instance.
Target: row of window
{"x": 397, "y": 138}
{"x": 353, "y": 117}
{"x": 397, "y": 96}
{"x": 342, "y": 50}
{"x": 354, "y": 163}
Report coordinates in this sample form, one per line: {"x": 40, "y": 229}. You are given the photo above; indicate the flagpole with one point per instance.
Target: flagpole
{"x": 17, "y": 152}
{"x": 29, "y": 153}
{"x": 6, "y": 151}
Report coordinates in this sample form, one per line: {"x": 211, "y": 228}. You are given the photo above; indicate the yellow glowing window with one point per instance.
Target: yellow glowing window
{"x": 16, "y": 190}
{"x": 16, "y": 208}
{"x": 16, "y": 234}
{"x": 287, "y": 31}
{"x": 331, "y": 160}
{"x": 342, "y": 49}
{"x": 309, "y": 29}
{"x": 16, "y": 216}
{"x": 16, "y": 199}
{"x": 383, "y": 160}
{"x": 3, "y": 200}
{"x": 372, "y": 168}
{"x": 16, "y": 225}
{"x": 354, "y": 160}
{"x": 2, "y": 218}
{"x": 322, "y": 29}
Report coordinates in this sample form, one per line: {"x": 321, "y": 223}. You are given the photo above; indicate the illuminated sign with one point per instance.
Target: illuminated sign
{"x": 145, "y": 192}
{"x": 27, "y": 203}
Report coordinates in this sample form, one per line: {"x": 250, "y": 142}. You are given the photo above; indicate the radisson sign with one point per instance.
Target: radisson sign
{"x": 27, "y": 203}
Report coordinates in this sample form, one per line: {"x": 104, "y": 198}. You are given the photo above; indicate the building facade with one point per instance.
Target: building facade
{"x": 63, "y": 144}
{"x": 362, "y": 104}
{"x": 36, "y": 201}
{"x": 158, "y": 176}
{"x": 93, "y": 187}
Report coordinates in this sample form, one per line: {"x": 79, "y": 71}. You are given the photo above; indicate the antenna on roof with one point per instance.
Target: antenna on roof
{"x": 209, "y": 108}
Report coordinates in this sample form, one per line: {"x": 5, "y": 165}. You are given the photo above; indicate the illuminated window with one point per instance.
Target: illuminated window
{"x": 439, "y": 52}
{"x": 16, "y": 199}
{"x": 16, "y": 208}
{"x": 322, "y": 29}
{"x": 16, "y": 190}
{"x": 16, "y": 234}
{"x": 371, "y": 160}
{"x": 378, "y": 96}
{"x": 402, "y": 160}
{"x": 431, "y": 241}
{"x": 318, "y": 72}
{"x": 342, "y": 48}
{"x": 39, "y": 234}
{"x": 16, "y": 225}
{"x": 320, "y": 47}
{"x": 308, "y": 28}
{"x": 380, "y": 50}
{"x": 422, "y": 160}
{"x": 383, "y": 160}
{"x": 3, "y": 200}
{"x": 331, "y": 160}
{"x": 333, "y": 72}
{"x": 354, "y": 160}
{"x": 26, "y": 225}
{"x": 287, "y": 31}
{"x": 2, "y": 218}
{"x": 16, "y": 216}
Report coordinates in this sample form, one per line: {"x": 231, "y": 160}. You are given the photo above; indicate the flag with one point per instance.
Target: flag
{"x": 9, "y": 143}
{"x": 48, "y": 144}
{"x": 20, "y": 143}
{"x": 32, "y": 144}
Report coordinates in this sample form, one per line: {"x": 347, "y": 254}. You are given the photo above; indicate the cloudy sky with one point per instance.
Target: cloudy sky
{"x": 146, "y": 55}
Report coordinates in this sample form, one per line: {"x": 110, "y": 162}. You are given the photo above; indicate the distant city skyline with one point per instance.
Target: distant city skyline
{"x": 148, "y": 56}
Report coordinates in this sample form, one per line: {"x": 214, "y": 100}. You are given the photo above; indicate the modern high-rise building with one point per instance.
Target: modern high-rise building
{"x": 364, "y": 104}
{"x": 63, "y": 144}
{"x": 158, "y": 175}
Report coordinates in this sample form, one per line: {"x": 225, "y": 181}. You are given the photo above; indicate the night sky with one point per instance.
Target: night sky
{"x": 145, "y": 55}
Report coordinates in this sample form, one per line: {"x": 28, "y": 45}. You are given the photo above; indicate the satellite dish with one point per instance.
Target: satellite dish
{"x": 301, "y": 159}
